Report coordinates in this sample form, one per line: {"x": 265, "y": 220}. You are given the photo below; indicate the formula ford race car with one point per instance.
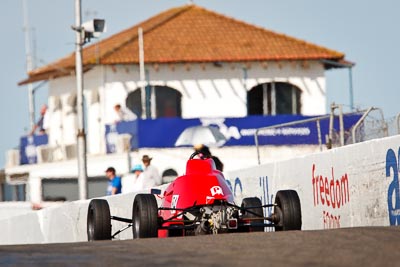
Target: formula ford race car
{"x": 197, "y": 203}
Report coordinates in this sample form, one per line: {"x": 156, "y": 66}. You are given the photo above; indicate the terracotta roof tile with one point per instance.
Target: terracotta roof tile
{"x": 190, "y": 34}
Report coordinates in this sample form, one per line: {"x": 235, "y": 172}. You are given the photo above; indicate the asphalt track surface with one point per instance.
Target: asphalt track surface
{"x": 368, "y": 246}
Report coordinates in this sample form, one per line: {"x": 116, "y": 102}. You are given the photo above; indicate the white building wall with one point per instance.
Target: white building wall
{"x": 64, "y": 121}
{"x": 114, "y": 93}
{"x": 207, "y": 91}
{"x": 55, "y": 120}
{"x": 70, "y": 119}
{"x": 63, "y": 90}
{"x": 94, "y": 128}
{"x": 223, "y": 90}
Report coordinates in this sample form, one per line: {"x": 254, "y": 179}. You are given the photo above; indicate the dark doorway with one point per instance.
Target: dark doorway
{"x": 273, "y": 99}
{"x": 167, "y": 102}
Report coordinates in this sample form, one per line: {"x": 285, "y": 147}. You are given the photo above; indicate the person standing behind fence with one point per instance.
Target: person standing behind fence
{"x": 150, "y": 171}
{"x": 133, "y": 181}
{"x": 114, "y": 185}
{"x": 123, "y": 114}
{"x": 142, "y": 182}
{"x": 43, "y": 122}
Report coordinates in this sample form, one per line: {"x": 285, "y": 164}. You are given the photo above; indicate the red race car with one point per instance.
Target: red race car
{"x": 197, "y": 203}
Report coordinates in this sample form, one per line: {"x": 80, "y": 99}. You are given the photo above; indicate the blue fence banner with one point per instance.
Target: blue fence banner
{"x": 163, "y": 132}
{"x": 28, "y": 144}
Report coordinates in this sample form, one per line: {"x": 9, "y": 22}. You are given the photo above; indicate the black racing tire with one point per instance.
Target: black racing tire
{"x": 253, "y": 213}
{"x": 98, "y": 220}
{"x": 287, "y": 210}
{"x": 145, "y": 216}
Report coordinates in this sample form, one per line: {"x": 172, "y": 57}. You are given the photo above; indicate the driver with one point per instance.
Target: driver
{"x": 204, "y": 153}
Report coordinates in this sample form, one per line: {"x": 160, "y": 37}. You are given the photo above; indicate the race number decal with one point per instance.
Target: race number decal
{"x": 174, "y": 202}
{"x": 216, "y": 190}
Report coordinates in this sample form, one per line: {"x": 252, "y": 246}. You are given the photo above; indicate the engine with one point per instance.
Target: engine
{"x": 216, "y": 219}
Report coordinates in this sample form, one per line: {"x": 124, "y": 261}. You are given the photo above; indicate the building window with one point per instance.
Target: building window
{"x": 67, "y": 189}
{"x": 273, "y": 99}
{"x": 167, "y": 102}
{"x": 12, "y": 192}
{"x": 134, "y": 102}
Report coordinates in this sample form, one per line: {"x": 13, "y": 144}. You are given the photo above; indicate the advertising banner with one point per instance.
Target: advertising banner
{"x": 164, "y": 132}
{"x": 28, "y": 144}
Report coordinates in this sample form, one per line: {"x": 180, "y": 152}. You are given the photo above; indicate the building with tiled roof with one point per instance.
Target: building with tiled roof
{"x": 201, "y": 67}
{"x": 190, "y": 34}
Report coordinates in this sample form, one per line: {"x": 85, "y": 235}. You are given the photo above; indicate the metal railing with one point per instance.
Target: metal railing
{"x": 331, "y": 117}
{"x": 316, "y": 120}
{"x": 362, "y": 120}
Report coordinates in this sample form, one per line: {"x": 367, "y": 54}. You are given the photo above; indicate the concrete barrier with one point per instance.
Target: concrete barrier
{"x": 14, "y": 208}
{"x": 63, "y": 223}
{"x": 356, "y": 185}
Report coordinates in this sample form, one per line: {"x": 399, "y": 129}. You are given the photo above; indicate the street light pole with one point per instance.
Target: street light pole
{"x": 81, "y": 136}
{"x": 351, "y": 88}
{"x": 29, "y": 64}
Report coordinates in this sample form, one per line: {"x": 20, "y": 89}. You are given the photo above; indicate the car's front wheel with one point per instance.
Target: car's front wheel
{"x": 145, "y": 216}
{"x": 98, "y": 220}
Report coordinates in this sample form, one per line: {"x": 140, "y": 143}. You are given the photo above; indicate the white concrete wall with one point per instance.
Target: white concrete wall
{"x": 365, "y": 175}
{"x": 12, "y": 209}
{"x": 356, "y": 174}
{"x": 61, "y": 223}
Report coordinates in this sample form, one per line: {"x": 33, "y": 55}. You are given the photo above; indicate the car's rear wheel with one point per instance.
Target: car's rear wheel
{"x": 287, "y": 211}
{"x": 145, "y": 216}
{"x": 98, "y": 220}
{"x": 250, "y": 213}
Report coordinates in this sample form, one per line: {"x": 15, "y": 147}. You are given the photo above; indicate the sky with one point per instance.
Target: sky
{"x": 367, "y": 32}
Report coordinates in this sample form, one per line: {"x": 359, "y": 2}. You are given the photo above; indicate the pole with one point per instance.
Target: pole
{"x": 81, "y": 136}
{"x": 350, "y": 67}
{"x": 319, "y": 134}
{"x": 257, "y": 147}
{"x": 29, "y": 65}
{"x": 341, "y": 125}
{"x": 351, "y": 88}
{"x": 142, "y": 73}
